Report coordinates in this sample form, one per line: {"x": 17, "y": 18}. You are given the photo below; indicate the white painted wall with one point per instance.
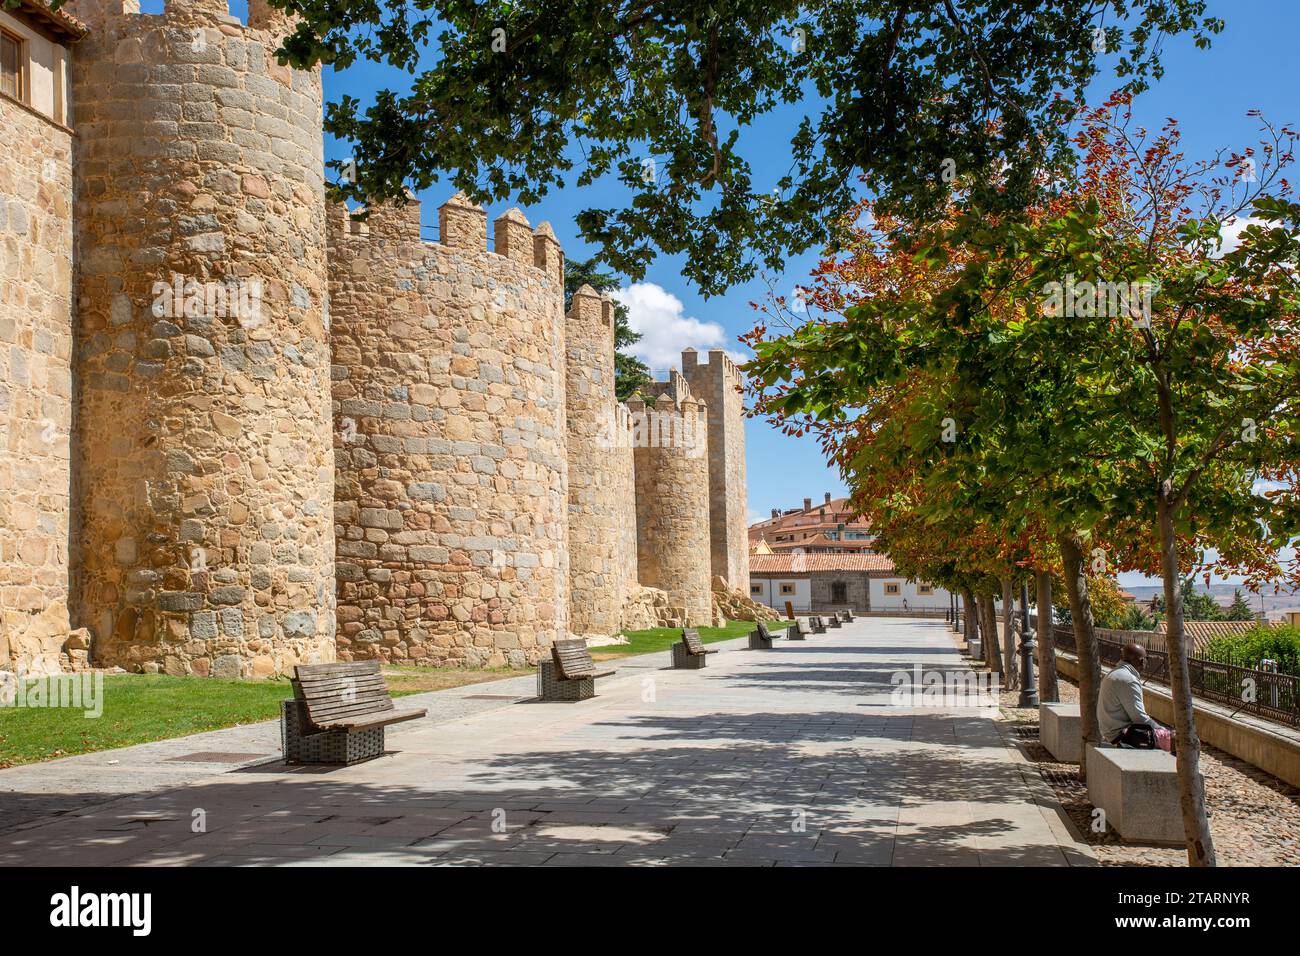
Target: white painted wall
{"x": 908, "y": 591}
{"x": 47, "y": 71}
{"x": 769, "y": 591}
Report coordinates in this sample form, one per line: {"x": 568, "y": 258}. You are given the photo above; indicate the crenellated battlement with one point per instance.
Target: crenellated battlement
{"x": 719, "y": 364}
{"x": 623, "y": 419}
{"x": 462, "y": 228}
{"x": 669, "y": 402}
{"x": 675, "y": 385}
{"x": 113, "y": 14}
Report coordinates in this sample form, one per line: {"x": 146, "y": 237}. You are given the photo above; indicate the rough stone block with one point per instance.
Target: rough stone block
{"x": 1138, "y": 790}
{"x": 1058, "y": 729}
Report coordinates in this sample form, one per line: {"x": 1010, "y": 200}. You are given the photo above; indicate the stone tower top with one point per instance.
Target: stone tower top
{"x": 676, "y": 385}
{"x": 261, "y": 15}
{"x": 462, "y": 225}
{"x": 719, "y": 363}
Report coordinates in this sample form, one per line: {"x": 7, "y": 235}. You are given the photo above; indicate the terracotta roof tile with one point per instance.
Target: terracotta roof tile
{"x": 58, "y": 20}
{"x": 799, "y": 563}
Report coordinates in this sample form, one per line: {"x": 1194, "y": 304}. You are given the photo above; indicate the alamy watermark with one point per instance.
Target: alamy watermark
{"x": 650, "y": 428}
{"x": 84, "y": 692}
{"x": 188, "y": 298}
{"x": 951, "y": 688}
{"x": 1086, "y": 299}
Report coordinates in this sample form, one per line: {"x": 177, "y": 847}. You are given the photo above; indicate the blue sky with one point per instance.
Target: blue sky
{"x": 1251, "y": 64}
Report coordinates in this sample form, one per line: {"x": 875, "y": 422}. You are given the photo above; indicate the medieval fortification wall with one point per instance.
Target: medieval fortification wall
{"x": 240, "y": 430}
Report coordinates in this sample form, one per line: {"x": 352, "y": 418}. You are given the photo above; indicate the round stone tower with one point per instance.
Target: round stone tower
{"x": 670, "y": 441}
{"x": 599, "y": 508}
{"x": 452, "y": 478}
{"x": 203, "y": 462}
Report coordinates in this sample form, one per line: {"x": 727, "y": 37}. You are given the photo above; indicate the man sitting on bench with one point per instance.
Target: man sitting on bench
{"x": 1121, "y": 714}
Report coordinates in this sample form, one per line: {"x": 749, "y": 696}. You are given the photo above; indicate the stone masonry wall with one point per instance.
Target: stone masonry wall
{"x": 449, "y": 402}
{"x": 181, "y": 462}
{"x": 672, "y": 499}
{"x": 202, "y": 465}
{"x": 35, "y": 387}
{"x": 718, "y": 383}
{"x": 624, "y": 476}
{"x": 597, "y": 577}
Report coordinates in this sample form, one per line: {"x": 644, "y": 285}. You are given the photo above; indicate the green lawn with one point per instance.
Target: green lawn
{"x": 139, "y": 708}
{"x": 662, "y": 638}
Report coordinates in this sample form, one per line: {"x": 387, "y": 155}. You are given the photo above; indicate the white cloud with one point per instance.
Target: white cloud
{"x": 665, "y": 329}
{"x": 1231, "y": 232}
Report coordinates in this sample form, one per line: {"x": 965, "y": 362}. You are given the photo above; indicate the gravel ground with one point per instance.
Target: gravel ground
{"x": 1254, "y": 817}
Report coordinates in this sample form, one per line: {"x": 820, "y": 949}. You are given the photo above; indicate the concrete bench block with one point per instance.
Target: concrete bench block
{"x": 1059, "y": 730}
{"x": 1138, "y": 789}
{"x": 973, "y": 648}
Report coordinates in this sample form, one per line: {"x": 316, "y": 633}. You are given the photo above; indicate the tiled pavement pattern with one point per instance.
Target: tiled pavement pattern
{"x": 790, "y": 756}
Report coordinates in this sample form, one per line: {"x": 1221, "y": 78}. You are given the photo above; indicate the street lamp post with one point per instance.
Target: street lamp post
{"x": 1028, "y": 648}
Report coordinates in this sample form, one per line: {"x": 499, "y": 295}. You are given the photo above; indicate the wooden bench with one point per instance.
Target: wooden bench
{"x": 795, "y": 632}
{"x": 690, "y": 653}
{"x": 338, "y": 713}
{"x": 845, "y": 616}
{"x": 761, "y": 639}
{"x": 832, "y": 620}
{"x": 803, "y": 627}
{"x": 817, "y": 624}
{"x": 570, "y": 674}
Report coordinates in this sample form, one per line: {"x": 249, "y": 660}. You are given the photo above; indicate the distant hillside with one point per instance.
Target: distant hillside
{"x": 1222, "y": 593}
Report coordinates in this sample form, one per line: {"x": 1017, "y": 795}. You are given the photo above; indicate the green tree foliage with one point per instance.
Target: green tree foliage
{"x": 1239, "y": 609}
{"x": 1153, "y": 427}
{"x": 517, "y": 98}
{"x": 630, "y": 373}
{"x": 1281, "y": 644}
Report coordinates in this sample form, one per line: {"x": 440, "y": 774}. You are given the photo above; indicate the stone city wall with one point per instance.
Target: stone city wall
{"x": 597, "y": 576}
{"x": 453, "y": 441}
{"x": 35, "y": 388}
{"x": 719, "y": 384}
{"x": 672, "y": 500}
{"x": 203, "y": 475}
{"x": 451, "y": 498}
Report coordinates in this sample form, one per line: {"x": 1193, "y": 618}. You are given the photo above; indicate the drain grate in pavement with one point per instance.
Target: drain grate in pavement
{"x": 216, "y": 756}
{"x": 1029, "y": 733}
{"x": 1065, "y": 779}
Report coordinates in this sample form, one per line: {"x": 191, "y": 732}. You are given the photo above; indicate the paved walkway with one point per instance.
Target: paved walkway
{"x": 789, "y": 756}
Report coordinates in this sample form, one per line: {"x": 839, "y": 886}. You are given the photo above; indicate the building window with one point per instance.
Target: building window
{"x": 756, "y": 589}
{"x": 924, "y": 589}
{"x": 787, "y": 589}
{"x": 11, "y": 65}
{"x": 839, "y": 592}
{"x": 891, "y": 587}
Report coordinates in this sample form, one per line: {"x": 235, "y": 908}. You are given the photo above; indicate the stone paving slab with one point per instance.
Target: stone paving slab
{"x": 33, "y": 791}
{"x": 793, "y": 756}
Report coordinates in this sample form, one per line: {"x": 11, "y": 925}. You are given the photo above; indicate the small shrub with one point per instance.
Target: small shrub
{"x": 1248, "y": 648}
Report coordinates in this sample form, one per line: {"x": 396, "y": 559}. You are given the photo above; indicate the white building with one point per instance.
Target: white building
{"x": 825, "y": 582}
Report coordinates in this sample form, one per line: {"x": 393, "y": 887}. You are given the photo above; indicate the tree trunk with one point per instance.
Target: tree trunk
{"x": 1191, "y": 787}
{"x": 968, "y": 621}
{"x": 1048, "y": 692}
{"x": 1085, "y": 643}
{"x": 1010, "y": 676}
{"x": 992, "y": 654}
